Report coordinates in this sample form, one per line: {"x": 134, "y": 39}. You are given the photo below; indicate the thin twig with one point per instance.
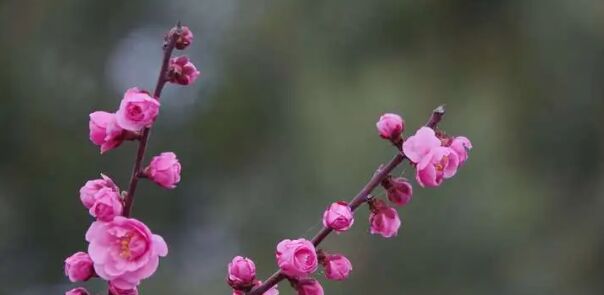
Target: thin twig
{"x": 142, "y": 146}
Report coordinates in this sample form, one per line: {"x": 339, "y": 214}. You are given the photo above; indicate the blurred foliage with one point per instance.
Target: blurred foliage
{"x": 282, "y": 123}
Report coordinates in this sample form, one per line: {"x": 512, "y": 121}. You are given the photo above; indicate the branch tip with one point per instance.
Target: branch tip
{"x": 440, "y": 109}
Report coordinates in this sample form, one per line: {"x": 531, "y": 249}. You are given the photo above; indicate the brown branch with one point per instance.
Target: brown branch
{"x": 363, "y": 196}
{"x": 142, "y": 146}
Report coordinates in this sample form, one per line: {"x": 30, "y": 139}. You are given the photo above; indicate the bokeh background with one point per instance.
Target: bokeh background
{"x": 282, "y": 123}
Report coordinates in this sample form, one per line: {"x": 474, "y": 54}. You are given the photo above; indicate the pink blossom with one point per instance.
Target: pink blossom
{"x": 77, "y": 291}
{"x": 440, "y": 163}
{"x": 124, "y": 251}
{"x": 241, "y": 273}
{"x": 183, "y": 40}
{"x": 137, "y": 110}
{"x": 337, "y": 267}
{"x": 164, "y": 170}
{"x": 117, "y": 291}
{"x": 104, "y": 131}
{"x": 296, "y": 258}
{"x": 309, "y": 287}
{"x": 461, "y": 145}
{"x": 390, "y": 126}
{"x": 400, "y": 191}
{"x": 107, "y": 205}
{"x": 92, "y": 187}
{"x": 182, "y": 71}
{"x": 384, "y": 220}
{"x": 338, "y": 217}
{"x": 78, "y": 267}
{"x": 419, "y": 145}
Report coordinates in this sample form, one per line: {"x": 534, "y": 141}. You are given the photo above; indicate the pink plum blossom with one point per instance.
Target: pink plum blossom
{"x": 124, "y": 251}
{"x": 104, "y": 131}
{"x": 390, "y": 126}
{"x": 92, "y": 187}
{"x": 77, "y": 291}
{"x": 461, "y": 145}
{"x": 338, "y": 217}
{"x": 107, "y": 205}
{"x": 399, "y": 191}
{"x": 182, "y": 71}
{"x": 78, "y": 267}
{"x": 296, "y": 258}
{"x": 439, "y": 164}
{"x": 164, "y": 170}
{"x": 337, "y": 267}
{"x": 309, "y": 287}
{"x": 137, "y": 110}
{"x": 416, "y": 147}
{"x": 241, "y": 273}
{"x": 384, "y": 220}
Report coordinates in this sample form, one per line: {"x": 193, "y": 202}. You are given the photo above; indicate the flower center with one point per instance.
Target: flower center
{"x": 440, "y": 165}
{"x": 125, "y": 247}
{"x": 135, "y": 112}
{"x": 131, "y": 246}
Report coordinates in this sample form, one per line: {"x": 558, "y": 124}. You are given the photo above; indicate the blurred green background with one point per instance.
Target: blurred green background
{"x": 282, "y": 123}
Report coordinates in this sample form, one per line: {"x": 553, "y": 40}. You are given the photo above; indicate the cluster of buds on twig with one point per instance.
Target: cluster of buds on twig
{"x": 434, "y": 156}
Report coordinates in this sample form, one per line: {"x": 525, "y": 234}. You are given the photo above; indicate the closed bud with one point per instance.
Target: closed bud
{"x": 241, "y": 273}
{"x": 164, "y": 170}
{"x": 390, "y": 126}
{"x": 337, "y": 267}
{"x": 79, "y": 267}
{"x": 399, "y": 190}
{"x": 184, "y": 37}
{"x": 182, "y": 71}
{"x": 338, "y": 217}
{"x": 383, "y": 220}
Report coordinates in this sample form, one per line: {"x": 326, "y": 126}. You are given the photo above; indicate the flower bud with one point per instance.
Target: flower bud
{"x": 182, "y": 71}
{"x": 338, "y": 217}
{"x": 92, "y": 187}
{"x": 78, "y": 267}
{"x": 164, "y": 170}
{"x": 137, "y": 110}
{"x": 337, "y": 267}
{"x": 399, "y": 191}
{"x": 384, "y": 220}
{"x": 107, "y": 205}
{"x": 184, "y": 38}
{"x": 390, "y": 126}
{"x": 242, "y": 273}
{"x": 296, "y": 258}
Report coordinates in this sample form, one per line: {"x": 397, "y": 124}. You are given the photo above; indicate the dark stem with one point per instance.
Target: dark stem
{"x": 142, "y": 146}
{"x": 380, "y": 174}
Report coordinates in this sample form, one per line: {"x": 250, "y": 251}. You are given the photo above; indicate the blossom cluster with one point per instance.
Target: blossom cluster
{"x": 435, "y": 157}
{"x": 123, "y": 250}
